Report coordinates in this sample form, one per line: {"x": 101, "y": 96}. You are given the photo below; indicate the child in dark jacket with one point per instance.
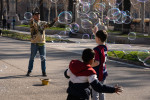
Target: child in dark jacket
{"x": 81, "y": 75}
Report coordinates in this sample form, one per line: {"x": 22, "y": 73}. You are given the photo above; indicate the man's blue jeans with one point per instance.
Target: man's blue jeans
{"x": 42, "y": 51}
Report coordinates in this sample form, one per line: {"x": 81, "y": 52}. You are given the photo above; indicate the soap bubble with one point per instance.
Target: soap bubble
{"x": 147, "y": 61}
{"x": 142, "y": 55}
{"x": 114, "y": 14}
{"x": 85, "y": 36}
{"x": 127, "y": 48}
{"x": 28, "y": 15}
{"x": 86, "y": 24}
{"x": 113, "y": 3}
{"x": 92, "y": 15}
{"x": 120, "y": 18}
{"x": 83, "y": 8}
{"x": 65, "y": 17}
{"x": 99, "y": 7}
{"x": 74, "y": 27}
{"x": 132, "y": 36}
{"x": 128, "y": 20}
{"x": 63, "y": 34}
{"x": 84, "y": 16}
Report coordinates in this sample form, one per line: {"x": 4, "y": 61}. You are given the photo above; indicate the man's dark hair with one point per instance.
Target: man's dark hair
{"x": 102, "y": 35}
{"x": 36, "y": 11}
{"x": 87, "y": 55}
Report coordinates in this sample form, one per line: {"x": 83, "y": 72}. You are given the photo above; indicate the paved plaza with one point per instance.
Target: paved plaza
{"x": 14, "y": 85}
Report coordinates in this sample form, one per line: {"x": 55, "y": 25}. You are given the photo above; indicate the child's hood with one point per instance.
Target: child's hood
{"x": 79, "y": 68}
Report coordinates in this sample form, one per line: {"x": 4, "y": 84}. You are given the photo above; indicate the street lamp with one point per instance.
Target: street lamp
{"x": 74, "y": 9}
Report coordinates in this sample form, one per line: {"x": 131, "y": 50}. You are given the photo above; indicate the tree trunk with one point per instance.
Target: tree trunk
{"x": 41, "y": 10}
{"x": 1, "y": 14}
{"x": 49, "y": 12}
{"x": 125, "y": 28}
{"x": 56, "y": 10}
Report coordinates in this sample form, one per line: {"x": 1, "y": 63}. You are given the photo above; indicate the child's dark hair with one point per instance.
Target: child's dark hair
{"x": 102, "y": 35}
{"x": 87, "y": 55}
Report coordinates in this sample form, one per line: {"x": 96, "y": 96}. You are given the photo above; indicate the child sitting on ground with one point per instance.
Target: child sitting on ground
{"x": 81, "y": 75}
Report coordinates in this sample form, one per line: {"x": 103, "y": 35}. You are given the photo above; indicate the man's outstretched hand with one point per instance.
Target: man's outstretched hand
{"x": 56, "y": 19}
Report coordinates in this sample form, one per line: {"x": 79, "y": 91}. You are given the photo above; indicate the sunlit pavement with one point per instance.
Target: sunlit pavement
{"x": 14, "y": 85}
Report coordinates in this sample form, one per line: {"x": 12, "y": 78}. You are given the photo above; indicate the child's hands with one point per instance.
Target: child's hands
{"x": 118, "y": 89}
{"x": 94, "y": 30}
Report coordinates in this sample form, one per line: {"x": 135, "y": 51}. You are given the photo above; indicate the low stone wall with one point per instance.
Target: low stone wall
{"x": 27, "y": 29}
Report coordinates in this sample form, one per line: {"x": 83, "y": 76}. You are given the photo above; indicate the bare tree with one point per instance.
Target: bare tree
{"x": 49, "y": 9}
{"x": 65, "y": 3}
{"x": 1, "y": 14}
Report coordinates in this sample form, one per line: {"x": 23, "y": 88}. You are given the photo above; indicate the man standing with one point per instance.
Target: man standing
{"x": 37, "y": 29}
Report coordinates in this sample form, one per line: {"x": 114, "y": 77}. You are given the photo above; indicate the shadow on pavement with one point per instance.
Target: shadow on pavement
{"x": 19, "y": 76}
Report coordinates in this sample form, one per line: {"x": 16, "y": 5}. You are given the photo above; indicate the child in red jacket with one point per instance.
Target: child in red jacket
{"x": 81, "y": 75}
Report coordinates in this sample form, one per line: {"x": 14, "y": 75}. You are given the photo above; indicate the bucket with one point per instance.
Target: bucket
{"x": 45, "y": 81}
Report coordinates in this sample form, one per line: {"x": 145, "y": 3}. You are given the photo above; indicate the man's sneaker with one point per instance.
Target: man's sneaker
{"x": 28, "y": 73}
{"x": 44, "y": 74}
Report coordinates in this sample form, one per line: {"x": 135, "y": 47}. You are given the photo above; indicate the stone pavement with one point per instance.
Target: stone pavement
{"x": 14, "y": 85}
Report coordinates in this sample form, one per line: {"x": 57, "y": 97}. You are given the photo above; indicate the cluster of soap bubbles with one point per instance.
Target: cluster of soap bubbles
{"x": 98, "y": 16}
{"x": 28, "y": 15}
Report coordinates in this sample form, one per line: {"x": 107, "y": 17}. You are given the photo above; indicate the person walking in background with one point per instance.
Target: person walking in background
{"x": 37, "y": 29}
{"x": 13, "y": 23}
{"x": 99, "y": 64}
{"x": 81, "y": 75}
{"x": 0, "y": 32}
{"x": 8, "y": 23}
{"x": 4, "y": 23}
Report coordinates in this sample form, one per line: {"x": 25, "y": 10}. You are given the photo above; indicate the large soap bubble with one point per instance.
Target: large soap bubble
{"x": 65, "y": 17}
{"x": 120, "y": 18}
{"x": 83, "y": 8}
{"x": 28, "y": 15}
{"x": 114, "y": 3}
{"x": 143, "y": 55}
{"x": 99, "y": 7}
{"x": 74, "y": 27}
{"x": 92, "y": 15}
{"x": 84, "y": 16}
{"x": 113, "y": 14}
{"x": 128, "y": 19}
{"x": 86, "y": 24}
